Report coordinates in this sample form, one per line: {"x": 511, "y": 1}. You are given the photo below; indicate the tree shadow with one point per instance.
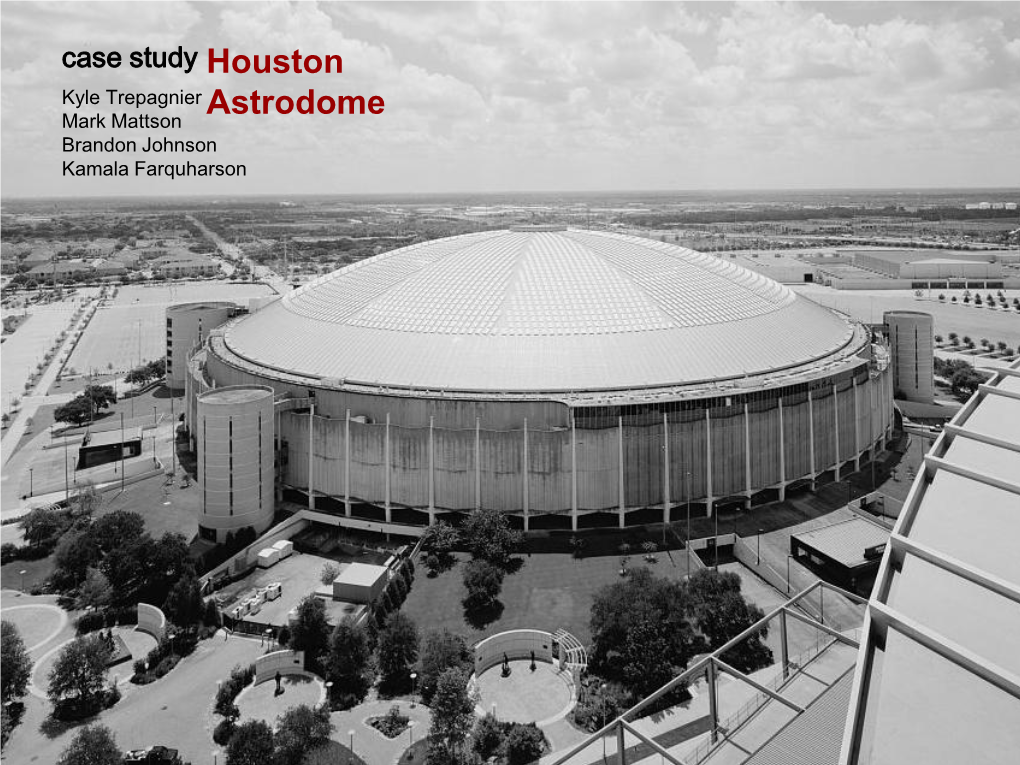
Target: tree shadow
{"x": 52, "y": 728}
{"x": 481, "y": 617}
{"x": 513, "y": 565}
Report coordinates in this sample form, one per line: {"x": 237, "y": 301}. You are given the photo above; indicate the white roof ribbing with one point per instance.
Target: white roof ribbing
{"x": 539, "y": 311}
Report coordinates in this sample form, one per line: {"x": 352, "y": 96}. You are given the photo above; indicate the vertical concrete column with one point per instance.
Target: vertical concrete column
{"x": 388, "y": 469}
{"x": 713, "y": 701}
{"x": 278, "y": 480}
{"x": 835, "y": 428}
{"x": 782, "y": 454}
{"x": 573, "y": 473}
{"x": 478, "y": 463}
{"x": 347, "y": 463}
{"x": 432, "y": 470}
{"x": 665, "y": 469}
{"x": 620, "y": 478}
{"x": 524, "y": 478}
{"x": 784, "y": 645}
{"x": 311, "y": 457}
{"x": 857, "y": 430}
{"x": 811, "y": 436}
{"x": 747, "y": 455}
{"x": 709, "y": 499}
{"x": 872, "y": 439}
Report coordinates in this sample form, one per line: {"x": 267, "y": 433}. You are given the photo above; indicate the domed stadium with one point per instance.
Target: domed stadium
{"x": 569, "y": 378}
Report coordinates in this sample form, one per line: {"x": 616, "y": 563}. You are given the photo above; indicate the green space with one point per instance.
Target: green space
{"x": 550, "y": 591}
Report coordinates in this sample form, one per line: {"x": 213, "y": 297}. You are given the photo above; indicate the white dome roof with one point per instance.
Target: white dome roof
{"x": 538, "y": 311}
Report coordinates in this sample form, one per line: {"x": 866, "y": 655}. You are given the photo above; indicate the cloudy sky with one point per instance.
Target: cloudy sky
{"x": 545, "y": 96}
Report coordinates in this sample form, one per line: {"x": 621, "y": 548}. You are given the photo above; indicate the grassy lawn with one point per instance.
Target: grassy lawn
{"x": 36, "y": 572}
{"x": 550, "y": 591}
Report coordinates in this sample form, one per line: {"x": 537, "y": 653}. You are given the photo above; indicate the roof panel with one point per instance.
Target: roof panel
{"x": 540, "y": 311}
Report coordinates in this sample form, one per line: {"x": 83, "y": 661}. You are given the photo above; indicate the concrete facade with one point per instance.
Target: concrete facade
{"x": 235, "y": 435}
{"x": 912, "y": 343}
{"x": 188, "y": 325}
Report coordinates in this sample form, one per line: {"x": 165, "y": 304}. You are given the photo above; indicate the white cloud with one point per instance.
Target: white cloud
{"x": 559, "y": 95}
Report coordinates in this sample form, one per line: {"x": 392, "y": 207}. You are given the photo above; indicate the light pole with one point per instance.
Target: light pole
{"x": 715, "y": 514}
{"x": 215, "y": 754}
{"x": 788, "y": 556}
{"x": 31, "y": 482}
{"x": 350, "y": 733}
{"x": 329, "y": 694}
{"x": 687, "y": 485}
{"x": 758, "y": 561}
{"x": 122, "y": 452}
{"x": 414, "y": 683}
{"x": 603, "y": 694}
{"x": 22, "y": 579}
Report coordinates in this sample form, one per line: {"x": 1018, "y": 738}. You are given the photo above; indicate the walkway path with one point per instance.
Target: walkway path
{"x": 371, "y": 745}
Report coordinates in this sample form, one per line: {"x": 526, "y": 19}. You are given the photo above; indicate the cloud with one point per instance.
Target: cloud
{"x": 557, "y": 95}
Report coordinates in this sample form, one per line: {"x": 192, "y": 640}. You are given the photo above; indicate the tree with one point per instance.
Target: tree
{"x": 523, "y": 744}
{"x": 92, "y": 745}
{"x": 437, "y": 543}
{"x": 398, "y": 650}
{"x": 15, "y": 664}
{"x": 42, "y": 526}
{"x": 641, "y": 637}
{"x": 184, "y": 605}
{"x": 965, "y": 381}
{"x": 310, "y": 631}
{"x": 348, "y": 657}
{"x": 483, "y": 582}
{"x": 76, "y": 551}
{"x": 440, "y": 650}
{"x": 953, "y": 337}
{"x": 251, "y": 744}
{"x": 721, "y": 614}
{"x": 86, "y": 502}
{"x": 329, "y": 572}
{"x": 95, "y": 591}
{"x": 487, "y": 737}
{"x": 453, "y": 712}
{"x": 299, "y": 730}
{"x": 77, "y": 411}
{"x": 83, "y": 407}
{"x": 80, "y": 671}
{"x": 118, "y": 529}
{"x": 489, "y": 536}
{"x": 99, "y": 397}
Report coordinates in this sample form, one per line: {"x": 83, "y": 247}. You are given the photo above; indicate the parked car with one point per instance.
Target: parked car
{"x": 154, "y": 755}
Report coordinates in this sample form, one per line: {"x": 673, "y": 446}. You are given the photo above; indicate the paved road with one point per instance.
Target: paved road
{"x": 233, "y": 253}
{"x": 36, "y": 396}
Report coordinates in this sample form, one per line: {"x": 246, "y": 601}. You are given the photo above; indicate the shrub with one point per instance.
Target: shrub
{"x": 223, "y": 731}
{"x": 239, "y": 678}
{"x": 487, "y": 736}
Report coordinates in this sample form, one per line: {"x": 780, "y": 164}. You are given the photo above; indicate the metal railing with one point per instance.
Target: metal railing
{"x": 711, "y": 665}
{"x": 734, "y": 721}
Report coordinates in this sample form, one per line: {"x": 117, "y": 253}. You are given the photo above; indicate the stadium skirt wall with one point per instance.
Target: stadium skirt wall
{"x": 408, "y": 457}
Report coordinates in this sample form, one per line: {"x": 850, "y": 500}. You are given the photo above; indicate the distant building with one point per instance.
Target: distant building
{"x": 184, "y": 265}
{"x": 59, "y": 269}
{"x": 928, "y": 264}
